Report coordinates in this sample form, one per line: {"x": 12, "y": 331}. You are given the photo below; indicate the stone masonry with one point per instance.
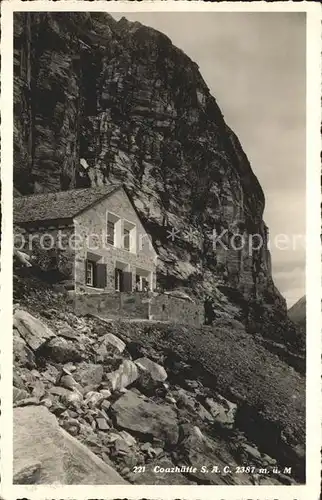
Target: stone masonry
{"x": 140, "y": 305}
{"x": 93, "y": 222}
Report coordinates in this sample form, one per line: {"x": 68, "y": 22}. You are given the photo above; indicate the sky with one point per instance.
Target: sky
{"x": 254, "y": 65}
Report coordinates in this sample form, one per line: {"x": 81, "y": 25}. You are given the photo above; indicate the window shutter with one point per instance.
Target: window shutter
{"x": 87, "y": 263}
{"x": 117, "y": 280}
{"x": 101, "y": 275}
{"x": 85, "y": 271}
{"x": 94, "y": 274}
{"x": 127, "y": 280}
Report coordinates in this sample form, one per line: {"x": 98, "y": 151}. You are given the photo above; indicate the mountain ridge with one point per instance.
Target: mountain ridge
{"x": 297, "y": 312}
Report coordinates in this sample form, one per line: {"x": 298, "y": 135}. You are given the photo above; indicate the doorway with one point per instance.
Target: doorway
{"x": 122, "y": 277}
{"x": 143, "y": 280}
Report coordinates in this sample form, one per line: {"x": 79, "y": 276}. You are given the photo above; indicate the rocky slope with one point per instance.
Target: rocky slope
{"x": 98, "y": 100}
{"x": 144, "y": 394}
{"x": 297, "y": 312}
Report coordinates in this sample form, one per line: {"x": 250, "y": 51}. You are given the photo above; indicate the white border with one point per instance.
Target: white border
{"x": 313, "y": 267}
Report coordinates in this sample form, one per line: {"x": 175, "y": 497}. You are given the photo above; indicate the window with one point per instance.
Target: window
{"x": 129, "y": 236}
{"x": 144, "y": 242}
{"x": 95, "y": 274}
{"x": 126, "y": 239}
{"x": 145, "y": 284}
{"x": 118, "y": 280}
{"x": 138, "y": 284}
{"x": 110, "y": 232}
{"x": 142, "y": 282}
{"x": 123, "y": 277}
{"x": 89, "y": 273}
{"x": 113, "y": 229}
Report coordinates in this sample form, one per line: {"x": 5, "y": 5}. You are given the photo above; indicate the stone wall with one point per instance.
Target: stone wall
{"x": 176, "y": 310}
{"x": 113, "y": 305}
{"x": 140, "y": 305}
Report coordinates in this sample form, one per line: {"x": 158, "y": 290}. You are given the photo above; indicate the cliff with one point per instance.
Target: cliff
{"x": 98, "y": 100}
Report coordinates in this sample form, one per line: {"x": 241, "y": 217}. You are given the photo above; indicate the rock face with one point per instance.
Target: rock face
{"x": 46, "y": 454}
{"x": 98, "y": 100}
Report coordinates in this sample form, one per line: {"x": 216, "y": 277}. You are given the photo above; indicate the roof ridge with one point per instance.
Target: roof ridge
{"x": 71, "y": 190}
{"x": 59, "y": 204}
{"x": 90, "y": 205}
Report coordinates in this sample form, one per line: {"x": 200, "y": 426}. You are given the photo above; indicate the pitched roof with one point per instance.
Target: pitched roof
{"x": 59, "y": 205}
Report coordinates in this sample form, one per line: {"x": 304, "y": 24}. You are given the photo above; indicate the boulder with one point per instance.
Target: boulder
{"x": 66, "y": 379}
{"x": 267, "y": 460}
{"x": 106, "y": 393}
{"x": 66, "y": 396}
{"x": 145, "y": 417}
{"x": 18, "y": 381}
{"x": 110, "y": 343}
{"x": 102, "y": 424}
{"x": 38, "y": 439}
{"x": 50, "y": 374}
{"x": 203, "y": 413}
{"x": 157, "y": 372}
{"x": 30, "y": 474}
{"x": 22, "y": 354}
{"x": 105, "y": 405}
{"x": 67, "y": 332}
{"x": 197, "y": 451}
{"x": 19, "y": 394}
{"x": 126, "y": 374}
{"x": 89, "y": 374}
{"x": 187, "y": 401}
{"x": 125, "y": 456}
{"x": 29, "y": 401}
{"x": 130, "y": 440}
{"x": 51, "y": 313}
{"x": 34, "y": 332}
{"x": 222, "y": 410}
{"x": 62, "y": 351}
{"x": 69, "y": 382}
{"x": 59, "y": 391}
{"x": 252, "y": 453}
{"x": 38, "y": 389}
{"x": 93, "y": 399}
{"x": 71, "y": 425}
{"x": 192, "y": 385}
{"x": 21, "y": 258}
{"x": 121, "y": 447}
